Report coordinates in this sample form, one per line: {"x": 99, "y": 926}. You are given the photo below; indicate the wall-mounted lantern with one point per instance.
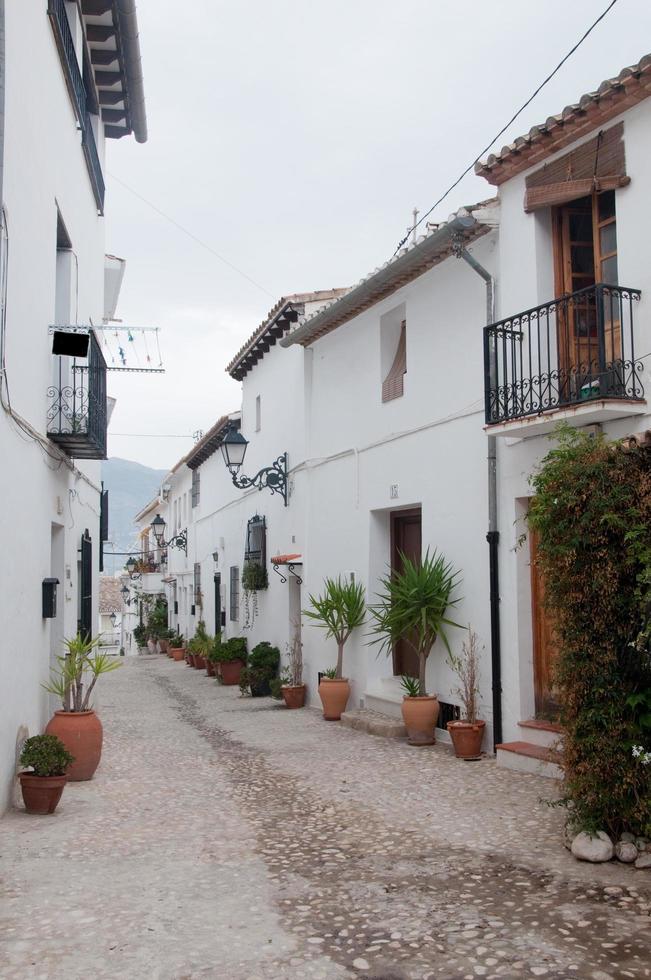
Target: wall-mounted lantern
{"x": 272, "y": 477}
{"x": 131, "y": 565}
{"x": 215, "y": 556}
{"x": 179, "y": 540}
{"x": 50, "y": 598}
{"x": 124, "y": 592}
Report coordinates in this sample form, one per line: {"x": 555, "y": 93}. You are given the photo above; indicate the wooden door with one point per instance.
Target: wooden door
{"x": 406, "y": 539}
{"x": 544, "y": 644}
{"x": 589, "y": 333}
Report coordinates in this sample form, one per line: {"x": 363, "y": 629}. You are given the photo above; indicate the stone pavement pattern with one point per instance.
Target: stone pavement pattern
{"x": 230, "y": 838}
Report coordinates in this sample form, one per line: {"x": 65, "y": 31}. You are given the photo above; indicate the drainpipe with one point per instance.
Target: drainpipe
{"x": 493, "y": 535}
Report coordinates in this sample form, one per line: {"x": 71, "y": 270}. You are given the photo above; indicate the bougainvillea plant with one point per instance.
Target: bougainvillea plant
{"x": 592, "y": 512}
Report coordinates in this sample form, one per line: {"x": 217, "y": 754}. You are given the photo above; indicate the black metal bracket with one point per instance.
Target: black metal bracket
{"x": 272, "y": 478}
{"x": 290, "y": 569}
{"x": 179, "y": 541}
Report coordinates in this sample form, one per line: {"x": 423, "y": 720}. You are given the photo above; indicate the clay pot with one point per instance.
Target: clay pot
{"x": 199, "y": 662}
{"x": 420, "y": 715}
{"x": 177, "y": 653}
{"x": 210, "y": 668}
{"x": 41, "y": 794}
{"x": 294, "y": 697}
{"x": 81, "y": 733}
{"x": 230, "y": 671}
{"x": 189, "y": 658}
{"x": 334, "y": 693}
{"x": 163, "y": 645}
{"x": 467, "y": 738}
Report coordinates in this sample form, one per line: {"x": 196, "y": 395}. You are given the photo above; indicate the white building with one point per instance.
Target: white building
{"x": 71, "y": 79}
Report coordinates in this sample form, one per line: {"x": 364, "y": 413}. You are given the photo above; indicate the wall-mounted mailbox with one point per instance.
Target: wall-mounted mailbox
{"x": 50, "y": 598}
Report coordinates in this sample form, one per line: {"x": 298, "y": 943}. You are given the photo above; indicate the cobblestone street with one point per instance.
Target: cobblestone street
{"x": 230, "y": 838}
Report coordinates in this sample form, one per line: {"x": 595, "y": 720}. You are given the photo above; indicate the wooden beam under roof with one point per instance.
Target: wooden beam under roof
{"x": 99, "y": 57}
{"x": 114, "y": 115}
{"x": 99, "y": 33}
{"x": 95, "y": 8}
{"x": 107, "y": 79}
{"x": 110, "y": 98}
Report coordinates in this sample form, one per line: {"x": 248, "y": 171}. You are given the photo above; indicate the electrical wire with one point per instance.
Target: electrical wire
{"x": 191, "y": 235}
{"x": 506, "y": 125}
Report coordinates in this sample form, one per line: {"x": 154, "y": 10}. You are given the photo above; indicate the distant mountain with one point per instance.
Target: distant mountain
{"x": 130, "y": 487}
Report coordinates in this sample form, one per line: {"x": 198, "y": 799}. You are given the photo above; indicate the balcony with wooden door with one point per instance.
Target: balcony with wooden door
{"x": 575, "y": 358}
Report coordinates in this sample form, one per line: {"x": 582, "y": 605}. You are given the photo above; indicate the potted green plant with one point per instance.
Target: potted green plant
{"x": 140, "y": 636}
{"x": 468, "y": 732}
{"x": 76, "y": 724}
{"x": 231, "y": 657}
{"x": 254, "y": 577}
{"x": 200, "y": 645}
{"x": 339, "y": 610}
{"x": 176, "y": 647}
{"x": 47, "y": 759}
{"x": 292, "y": 687}
{"x": 262, "y": 668}
{"x": 412, "y": 606}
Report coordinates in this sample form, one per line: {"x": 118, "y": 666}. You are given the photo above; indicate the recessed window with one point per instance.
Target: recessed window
{"x": 258, "y": 416}
{"x": 393, "y": 353}
{"x": 235, "y": 593}
{"x": 196, "y": 483}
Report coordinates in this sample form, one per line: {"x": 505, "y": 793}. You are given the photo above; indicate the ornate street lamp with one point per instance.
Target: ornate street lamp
{"x": 131, "y": 564}
{"x": 179, "y": 540}
{"x": 272, "y": 477}
{"x": 124, "y": 592}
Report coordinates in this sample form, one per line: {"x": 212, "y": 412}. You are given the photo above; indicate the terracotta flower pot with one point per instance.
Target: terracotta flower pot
{"x": 293, "y": 696}
{"x": 199, "y": 662}
{"x": 210, "y": 668}
{"x": 177, "y": 653}
{"x": 334, "y": 693}
{"x": 420, "y": 715}
{"x": 81, "y": 733}
{"x": 189, "y": 658}
{"x": 230, "y": 671}
{"x": 164, "y": 646}
{"x": 467, "y": 738}
{"x": 41, "y": 794}
{"x": 169, "y": 651}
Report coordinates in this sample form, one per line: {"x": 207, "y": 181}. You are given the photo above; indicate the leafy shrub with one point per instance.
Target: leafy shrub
{"x": 254, "y": 577}
{"x": 140, "y": 634}
{"x": 157, "y": 621}
{"x": 592, "y": 511}
{"x": 233, "y": 649}
{"x": 202, "y": 642}
{"x": 264, "y": 659}
{"x": 46, "y": 755}
{"x": 176, "y": 640}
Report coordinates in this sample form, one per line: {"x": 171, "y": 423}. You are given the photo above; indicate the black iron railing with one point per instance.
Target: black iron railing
{"x": 574, "y": 349}
{"x": 79, "y": 87}
{"x": 76, "y": 418}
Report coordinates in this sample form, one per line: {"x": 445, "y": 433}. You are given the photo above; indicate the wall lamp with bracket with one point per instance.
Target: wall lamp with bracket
{"x": 274, "y": 477}
{"x": 179, "y": 540}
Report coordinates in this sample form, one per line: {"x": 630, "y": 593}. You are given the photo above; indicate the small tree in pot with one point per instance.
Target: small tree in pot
{"x": 339, "y": 610}
{"x": 468, "y": 732}
{"x": 292, "y": 687}
{"x": 412, "y": 606}
{"x": 48, "y": 759}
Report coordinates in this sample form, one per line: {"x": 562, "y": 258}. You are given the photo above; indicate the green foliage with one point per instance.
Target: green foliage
{"x": 340, "y": 609}
{"x": 264, "y": 659}
{"x": 140, "y": 635}
{"x": 233, "y": 649}
{"x": 254, "y": 577}
{"x": 275, "y": 685}
{"x": 330, "y": 673}
{"x": 70, "y": 681}
{"x": 46, "y": 755}
{"x": 213, "y": 653}
{"x": 202, "y": 643}
{"x": 412, "y": 606}
{"x": 592, "y": 512}
{"x": 176, "y": 640}
{"x": 410, "y": 685}
{"x": 156, "y": 627}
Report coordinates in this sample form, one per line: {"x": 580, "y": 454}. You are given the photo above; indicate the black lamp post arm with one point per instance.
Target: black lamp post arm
{"x": 272, "y": 478}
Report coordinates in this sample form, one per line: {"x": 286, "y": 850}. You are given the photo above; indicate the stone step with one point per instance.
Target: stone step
{"x": 374, "y": 723}
{"x": 545, "y": 733}
{"x": 527, "y": 757}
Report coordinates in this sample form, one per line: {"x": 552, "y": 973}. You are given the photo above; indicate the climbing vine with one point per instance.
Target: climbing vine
{"x": 592, "y": 511}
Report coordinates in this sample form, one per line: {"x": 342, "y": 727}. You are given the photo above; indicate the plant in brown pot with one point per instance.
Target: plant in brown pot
{"x": 231, "y": 656}
{"x": 339, "y": 610}
{"x": 76, "y": 724}
{"x": 176, "y": 647}
{"x": 468, "y": 732}
{"x": 412, "y": 606}
{"x": 292, "y": 687}
{"x": 47, "y": 759}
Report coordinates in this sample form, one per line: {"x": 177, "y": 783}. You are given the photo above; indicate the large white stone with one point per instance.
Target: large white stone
{"x": 626, "y": 851}
{"x": 594, "y": 848}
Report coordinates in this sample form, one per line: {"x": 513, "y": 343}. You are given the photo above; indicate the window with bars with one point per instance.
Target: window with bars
{"x": 198, "y": 601}
{"x": 196, "y": 487}
{"x": 256, "y": 540}
{"x": 235, "y": 593}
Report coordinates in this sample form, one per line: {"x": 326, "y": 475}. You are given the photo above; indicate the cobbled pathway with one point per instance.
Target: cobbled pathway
{"x": 230, "y": 838}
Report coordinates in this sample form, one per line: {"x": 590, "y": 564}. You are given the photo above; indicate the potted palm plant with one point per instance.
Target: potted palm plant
{"x": 176, "y": 647}
{"x": 339, "y": 610}
{"x": 468, "y": 732}
{"x": 76, "y": 724}
{"x": 412, "y": 606}
{"x": 47, "y": 759}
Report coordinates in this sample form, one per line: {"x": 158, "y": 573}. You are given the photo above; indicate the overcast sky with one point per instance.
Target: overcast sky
{"x": 294, "y": 138}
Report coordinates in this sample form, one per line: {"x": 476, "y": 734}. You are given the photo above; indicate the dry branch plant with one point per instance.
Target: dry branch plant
{"x": 466, "y": 667}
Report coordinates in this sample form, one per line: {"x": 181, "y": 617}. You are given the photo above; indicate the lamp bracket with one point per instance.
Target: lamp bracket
{"x": 272, "y": 478}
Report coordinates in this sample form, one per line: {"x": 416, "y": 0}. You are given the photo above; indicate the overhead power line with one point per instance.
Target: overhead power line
{"x": 190, "y": 234}
{"x": 506, "y": 125}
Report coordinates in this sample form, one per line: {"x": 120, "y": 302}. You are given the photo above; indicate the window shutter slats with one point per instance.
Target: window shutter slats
{"x": 393, "y": 384}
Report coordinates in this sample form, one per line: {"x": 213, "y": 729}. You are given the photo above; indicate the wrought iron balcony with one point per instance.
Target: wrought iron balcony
{"x": 76, "y": 418}
{"x": 574, "y": 350}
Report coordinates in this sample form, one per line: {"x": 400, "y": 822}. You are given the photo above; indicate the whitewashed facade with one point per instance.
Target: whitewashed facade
{"x": 52, "y": 261}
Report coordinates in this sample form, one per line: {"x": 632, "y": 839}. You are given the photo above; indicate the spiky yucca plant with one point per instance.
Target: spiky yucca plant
{"x": 79, "y": 663}
{"x": 339, "y": 610}
{"x": 412, "y": 606}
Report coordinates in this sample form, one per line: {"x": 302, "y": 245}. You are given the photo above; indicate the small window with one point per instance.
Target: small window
{"x": 235, "y": 593}
{"x": 197, "y": 584}
{"x": 393, "y": 383}
{"x": 196, "y": 483}
{"x": 256, "y": 533}
{"x": 258, "y": 416}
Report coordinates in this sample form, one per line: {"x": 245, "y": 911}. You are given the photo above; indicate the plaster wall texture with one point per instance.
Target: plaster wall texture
{"x": 45, "y": 505}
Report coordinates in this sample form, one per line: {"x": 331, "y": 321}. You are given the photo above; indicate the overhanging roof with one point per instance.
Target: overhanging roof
{"x": 275, "y": 325}
{"x": 462, "y": 228}
{"x": 614, "y": 95}
{"x": 209, "y": 443}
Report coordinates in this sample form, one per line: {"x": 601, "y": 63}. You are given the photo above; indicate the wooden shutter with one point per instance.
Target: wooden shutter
{"x": 86, "y": 586}
{"x": 393, "y": 384}
{"x": 598, "y": 165}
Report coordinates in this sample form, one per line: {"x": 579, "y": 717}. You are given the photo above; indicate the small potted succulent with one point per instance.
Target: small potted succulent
{"x": 292, "y": 687}
{"x": 262, "y": 669}
{"x": 176, "y": 647}
{"x": 47, "y": 759}
{"x": 231, "y": 657}
{"x": 339, "y": 610}
{"x": 76, "y": 724}
{"x": 468, "y": 732}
